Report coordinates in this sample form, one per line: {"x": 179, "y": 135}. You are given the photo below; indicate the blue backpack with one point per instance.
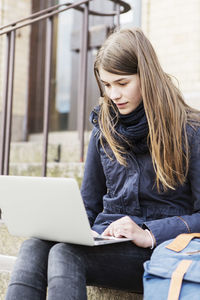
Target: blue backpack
{"x": 173, "y": 272}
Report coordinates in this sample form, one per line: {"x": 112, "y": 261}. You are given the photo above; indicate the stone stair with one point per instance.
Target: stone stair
{"x": 65, "y": 169}
{"x": 9, "y": 247}
{"x": 63, "y": 161}
{"x": 62, "y": 147}
{"x": 63, "y": 156}
{"x": 4, "y": 279}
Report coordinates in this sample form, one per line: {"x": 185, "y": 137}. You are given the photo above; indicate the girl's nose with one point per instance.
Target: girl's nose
{"x": 114, "y": 94}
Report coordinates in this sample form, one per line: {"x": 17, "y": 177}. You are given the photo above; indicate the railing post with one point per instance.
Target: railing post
{"x": 83, "y": 78}
{"x": 9, "y": 102}
{"x": 49, "y": 39}
{"x": 4, "y": 103}
{"x": 118, "y": 15}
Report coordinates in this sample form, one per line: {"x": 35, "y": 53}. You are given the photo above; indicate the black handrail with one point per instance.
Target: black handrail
{"x": 10, "y": 31}
{"x": 45, "y": 13}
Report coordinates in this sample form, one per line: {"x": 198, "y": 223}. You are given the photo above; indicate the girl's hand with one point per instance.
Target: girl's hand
{"x": 94, "y": 233}
{"x": 126, "y": 227}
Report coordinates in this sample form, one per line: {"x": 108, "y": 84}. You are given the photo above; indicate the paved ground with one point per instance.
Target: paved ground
{"x": 6, "y": 262}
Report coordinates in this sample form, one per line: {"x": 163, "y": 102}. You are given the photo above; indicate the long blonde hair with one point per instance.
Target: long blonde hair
{"x": 127, "y": 52}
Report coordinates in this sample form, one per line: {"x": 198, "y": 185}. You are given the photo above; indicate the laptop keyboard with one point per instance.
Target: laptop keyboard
{"x": 101, "y": 238}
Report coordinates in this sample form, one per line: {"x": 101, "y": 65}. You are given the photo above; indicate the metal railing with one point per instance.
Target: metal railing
{"x": 10, "y": 32}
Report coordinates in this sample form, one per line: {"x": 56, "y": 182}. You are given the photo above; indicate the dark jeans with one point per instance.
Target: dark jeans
{"x": 66, "y": 269}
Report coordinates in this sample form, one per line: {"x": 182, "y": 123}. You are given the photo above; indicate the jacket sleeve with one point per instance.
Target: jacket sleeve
{"x": 94, "y": 184}
{"x": 167, "y": 228}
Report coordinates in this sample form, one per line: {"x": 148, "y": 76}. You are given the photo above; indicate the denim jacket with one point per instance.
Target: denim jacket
{"x": 111, "y": 191}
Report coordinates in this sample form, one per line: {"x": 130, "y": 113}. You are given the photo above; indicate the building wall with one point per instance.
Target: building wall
{"x": 11, "y": 10}
{"x": 173, "y": 27}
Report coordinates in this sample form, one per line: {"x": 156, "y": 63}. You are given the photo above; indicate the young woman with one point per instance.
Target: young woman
{"x": 141, "y": 178}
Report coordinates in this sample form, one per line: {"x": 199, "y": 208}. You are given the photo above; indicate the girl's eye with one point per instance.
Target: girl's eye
{"x": 123, "y": 83}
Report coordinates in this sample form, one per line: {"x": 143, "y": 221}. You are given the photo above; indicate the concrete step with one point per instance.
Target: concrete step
{"x": 64, "y": 146}
{"x": 31, "y": 152}
{"x": 9, "y": 244}
{"x": 4, "y": 279}
{"x": 97, "y": 293}
{"x": 6, "y": 266}
{"x": 7, "y": 263}
{"x": 59, "y": 137}
{"x": 57, "y": 152}
{"x": 70, "y": 169}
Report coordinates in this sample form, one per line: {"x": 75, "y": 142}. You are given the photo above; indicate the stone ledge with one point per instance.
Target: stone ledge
{"x": 6, "y": 263}
{"x": 9, "y": 244}
{"x": 53, "y": 169}
{"x": 4, "y": 279}
{"x": 6, "y": 266}
{"x": 97, "y": 293}
{"x": 28, "y": 152}
{"x": 94, "y": 293}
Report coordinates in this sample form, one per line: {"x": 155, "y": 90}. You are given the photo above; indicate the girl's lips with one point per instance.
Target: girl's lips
{"x": 121, "y": 104}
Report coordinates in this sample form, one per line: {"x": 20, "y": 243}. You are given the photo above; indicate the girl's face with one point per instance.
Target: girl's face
{"x": 123, "y": 90}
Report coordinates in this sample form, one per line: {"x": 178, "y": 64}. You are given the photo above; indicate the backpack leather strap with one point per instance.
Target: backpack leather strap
{"x": 176, "y": 280}
{"x": 181, "y": 241}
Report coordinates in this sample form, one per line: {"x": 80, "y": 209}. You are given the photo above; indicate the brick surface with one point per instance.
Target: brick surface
{"x": 173, "y": 27}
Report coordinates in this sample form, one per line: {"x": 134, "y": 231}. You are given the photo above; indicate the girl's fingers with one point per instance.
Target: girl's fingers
{"x": 123, "y": 227}
{"x": 94, "y": 233}
{"x": 108, "y": 231}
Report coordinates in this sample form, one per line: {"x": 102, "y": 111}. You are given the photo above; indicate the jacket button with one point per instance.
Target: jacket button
{"x": 94, "y": 121}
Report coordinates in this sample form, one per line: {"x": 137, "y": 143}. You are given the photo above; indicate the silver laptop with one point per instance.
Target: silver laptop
{"x": 47, "y": 208}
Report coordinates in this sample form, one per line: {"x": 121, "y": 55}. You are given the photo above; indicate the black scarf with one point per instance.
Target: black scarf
{"x": 134, "y": 127}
